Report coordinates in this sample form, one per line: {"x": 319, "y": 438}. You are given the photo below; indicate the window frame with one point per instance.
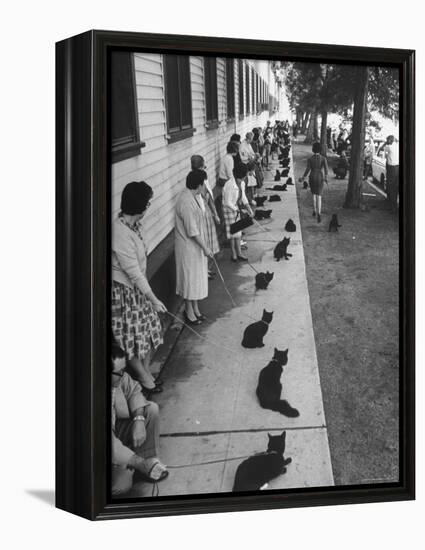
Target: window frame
{"x": 241, "y": 105}
{"x": 247, "y": 90}
{"x": 211, "y": 87}
{"x": 181, "y": 133}
{"x": 130, "y": 148}
{"x": 230, "y": 90}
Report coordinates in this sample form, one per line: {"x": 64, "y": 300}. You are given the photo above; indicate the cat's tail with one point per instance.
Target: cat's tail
{"x": 285, "y": 408}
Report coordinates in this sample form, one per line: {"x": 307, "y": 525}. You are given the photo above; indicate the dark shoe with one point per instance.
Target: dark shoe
{"x": 190, "y": 322}
{"x": 156, "y": 389}
{"x": 159, "y": 382}
{"x": 233, "y": 259}
{"x": 201, "y": 317}
{"x": 319, "y": 219}
{"x": 314, "y": 213}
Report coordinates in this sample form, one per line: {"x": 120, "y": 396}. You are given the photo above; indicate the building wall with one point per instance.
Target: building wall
{"x": 165, "y": 166}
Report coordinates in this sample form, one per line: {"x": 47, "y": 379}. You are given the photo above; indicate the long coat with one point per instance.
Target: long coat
{"x": 191, "y": 262}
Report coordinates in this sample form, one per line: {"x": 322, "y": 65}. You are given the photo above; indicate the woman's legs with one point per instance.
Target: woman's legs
{"x": 196, "y": 308}
{"x": 233, "y": 248}
{"x": 318, "y": 206}
{"x": 191, "y": 309}
{"x": 142, "y": 372}
{"x": 238, "y": 248}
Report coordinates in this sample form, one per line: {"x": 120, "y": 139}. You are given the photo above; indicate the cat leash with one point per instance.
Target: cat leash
{"x": 178, "y": 466}
{"x": 216, "y": 344}
{"x": 230, "y": 295}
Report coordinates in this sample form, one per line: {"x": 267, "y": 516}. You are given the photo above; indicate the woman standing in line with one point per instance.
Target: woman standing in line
{"x": 191, "y": 250}
{"x": 206, "y": 201}
{"x": 136, "y": 326}
{"x": 233, "y": 199}
{"x": 317, "y": 166}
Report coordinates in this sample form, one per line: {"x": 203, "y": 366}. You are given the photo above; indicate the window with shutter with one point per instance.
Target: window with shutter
{"x": 211, "y": 103}
{"x": 125, "y": 140}
{"x": 178, "y": 97}
{"x": 230, "y": 88}
{"x": 248, "y": 106}
{"x": 240, "y": 88}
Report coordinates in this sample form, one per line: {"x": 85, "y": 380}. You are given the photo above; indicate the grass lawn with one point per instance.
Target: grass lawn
{"x": 353, "y": 279}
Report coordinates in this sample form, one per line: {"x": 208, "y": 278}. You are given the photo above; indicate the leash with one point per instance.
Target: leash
{"x": 258, "y": 453}
{"x": 231, "y": 297}
{"x": 224, "y": 283}
{"x": 213, "y": 342}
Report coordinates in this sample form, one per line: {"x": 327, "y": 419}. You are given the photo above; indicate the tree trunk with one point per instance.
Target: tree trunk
{"x": 299, "y": 118}
{"x": 306, "y": 120}
{"x": 316, "y": 126}
{"x": 354, "y": 189}
{"x": 323, "y": 133}
{"x": 309, "y": 137}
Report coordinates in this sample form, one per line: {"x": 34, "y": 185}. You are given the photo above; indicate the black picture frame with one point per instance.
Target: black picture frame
{"x": 82, "y": 271}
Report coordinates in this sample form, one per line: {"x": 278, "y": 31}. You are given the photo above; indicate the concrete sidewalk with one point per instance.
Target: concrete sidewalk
{"x": 209, "y": 409}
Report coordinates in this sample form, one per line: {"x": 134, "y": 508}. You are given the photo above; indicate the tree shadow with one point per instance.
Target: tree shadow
{"x": 45, "y": 495}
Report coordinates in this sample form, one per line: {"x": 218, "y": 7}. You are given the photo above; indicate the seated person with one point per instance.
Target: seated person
{"x": 341, "y": 168}
{"x": 135, "y": 430}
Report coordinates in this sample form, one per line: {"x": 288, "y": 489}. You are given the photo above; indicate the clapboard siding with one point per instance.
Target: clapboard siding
{"x": 165, "y": 166}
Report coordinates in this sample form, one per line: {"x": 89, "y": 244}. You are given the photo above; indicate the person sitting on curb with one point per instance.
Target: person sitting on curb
{"x": 341, "y": 167}
{"x": 135, "y": 430}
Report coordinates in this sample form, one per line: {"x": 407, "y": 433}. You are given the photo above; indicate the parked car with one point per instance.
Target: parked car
{"x": 379, "y": 172}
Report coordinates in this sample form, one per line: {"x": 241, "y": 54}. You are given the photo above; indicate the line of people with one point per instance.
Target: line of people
{"x": 135, "y": 309}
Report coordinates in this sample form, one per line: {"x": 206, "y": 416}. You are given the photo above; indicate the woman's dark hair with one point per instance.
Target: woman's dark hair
{"x": 232, "y": 147}
{"x": 135, "y": 197}
{"x": 240, "y": 171}
{"x": 317, "y": 147}
{"x": 236, "y": 137}
{"x": 117, "y": 351}
{"x": 196, "y": 162}
{"x": 195, "y": 179}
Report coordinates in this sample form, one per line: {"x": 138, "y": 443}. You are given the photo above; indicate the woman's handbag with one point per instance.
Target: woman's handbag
{"x": 240, "y": 225}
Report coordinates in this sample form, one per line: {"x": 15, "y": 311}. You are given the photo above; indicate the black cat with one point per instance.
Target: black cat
{"x": 274, "y": 198}
{"x": 285, "y": 162}
{"x": 289, "y": 181}
{"x": 259, "y": 201}
{"x": 255, "y": 472}
{"x": 262, "y": 214}
{"x": 281, "y": 248}
{"x": 305, "y": 185}
{"x": 290, "y": 226}
{"x": 277, "y": 187}
{"x": 277, "y": 176}
{"x": 253, "y": 334}
{"x": 333, "y": 224}
{"x": 262, "y": 280}
{"x": 269, "y": 386}
{"x": 284, "y": 173}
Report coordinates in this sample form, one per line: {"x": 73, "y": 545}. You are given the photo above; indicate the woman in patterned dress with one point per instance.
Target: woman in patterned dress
{"x": 136, "y": 325}
{"x": 234, "y": 198}
{"x": 317, "y": 166}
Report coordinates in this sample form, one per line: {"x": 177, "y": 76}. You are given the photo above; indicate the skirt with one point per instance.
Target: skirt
{"x": 135, "y": 324}
{"x": 230, "y": 216}
{"x": 316, "y": 182}
{"x": 211, "y": 232}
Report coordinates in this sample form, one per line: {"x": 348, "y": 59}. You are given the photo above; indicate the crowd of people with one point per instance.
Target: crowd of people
{"x": 135, "y": 309}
